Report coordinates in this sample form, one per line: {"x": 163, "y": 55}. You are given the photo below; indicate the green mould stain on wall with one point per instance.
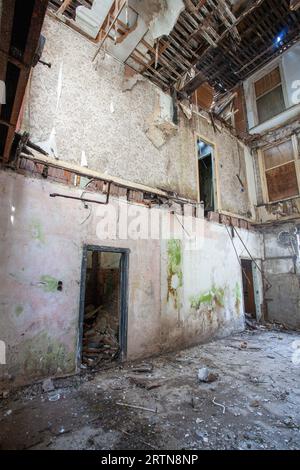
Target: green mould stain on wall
{"x": 19, "y": 310}
{"x": 44, "y": 356}
{"x": 175, "y": 276}
{"x": 48, "y": 283}
{"x": 214, "y": 298}
{"x": 37, "y": 231}
{"x": 238, "y": 298}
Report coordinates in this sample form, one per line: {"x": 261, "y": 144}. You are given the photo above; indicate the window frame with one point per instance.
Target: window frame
{"x": 263, "y": 170}
{"x": 259, "y": 76}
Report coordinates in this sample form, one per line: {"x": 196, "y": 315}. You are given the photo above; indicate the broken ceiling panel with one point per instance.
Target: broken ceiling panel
{"x": 184, "y": 44}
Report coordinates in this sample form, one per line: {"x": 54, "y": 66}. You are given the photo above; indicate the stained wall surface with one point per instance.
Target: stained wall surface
{"x": 282, "y": 269}
{"x": 177, "y": 297}
{"x": 122, "y": 125}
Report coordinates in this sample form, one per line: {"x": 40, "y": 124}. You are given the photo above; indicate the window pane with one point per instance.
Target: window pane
{"x": 282, "y": 182}
{"x": 278, "y": 155}
{"x": 268, "y": 82}
{"x": 270, "y": 104}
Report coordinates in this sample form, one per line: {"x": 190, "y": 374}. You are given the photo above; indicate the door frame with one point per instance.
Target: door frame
{"x": 123, "y": 310}
{"x": 215, "y": 170}
{"x": 256, "y": 287}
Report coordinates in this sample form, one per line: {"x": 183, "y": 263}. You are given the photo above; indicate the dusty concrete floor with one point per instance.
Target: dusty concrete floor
{"x": 259, "y": 387}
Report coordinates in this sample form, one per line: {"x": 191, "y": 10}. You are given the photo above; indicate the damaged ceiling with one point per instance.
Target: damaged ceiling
{"x": 216, "y": 41}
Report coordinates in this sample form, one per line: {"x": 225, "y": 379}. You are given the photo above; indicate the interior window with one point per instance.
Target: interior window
{"x": 280, "y": 170}
{"x": 269, "y": 96}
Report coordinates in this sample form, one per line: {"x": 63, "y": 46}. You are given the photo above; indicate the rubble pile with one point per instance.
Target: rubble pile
{"x": 100, "y": 336}
{"x": 252, "y": 324}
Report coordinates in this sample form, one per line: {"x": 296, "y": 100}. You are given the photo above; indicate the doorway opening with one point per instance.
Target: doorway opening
{"x": 103, "y": 306}
{"x": 248, "y": 288}
{"x": 206, "y": 175}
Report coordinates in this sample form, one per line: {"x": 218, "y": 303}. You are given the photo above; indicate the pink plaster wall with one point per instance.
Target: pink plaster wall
{"x": 46, "y": 238}
{"x": 42, "y": 236}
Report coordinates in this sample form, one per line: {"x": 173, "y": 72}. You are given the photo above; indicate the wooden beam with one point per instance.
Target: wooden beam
{"x": 79, "y": 170}
{"x": 193, "y": 84}
{"x": 37, "y": 20}
{"x": 63, "y": 7}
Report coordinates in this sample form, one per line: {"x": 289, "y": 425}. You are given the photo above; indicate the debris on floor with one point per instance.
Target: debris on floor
{"x": 48, "y": 385}
{"x": 205, "y": 375}
{"x": 143, "y": 368}
{"x": 148, "y": 384}
{"x": 253, "y": 324}
{"x": 100, "y": 337}
{"x": 254, "y": 404}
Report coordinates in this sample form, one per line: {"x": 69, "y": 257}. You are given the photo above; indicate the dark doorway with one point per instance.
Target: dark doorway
{"x": 103, "y": 306}
{"x": 248, "y": 288}
{"x": 206, "y": 175}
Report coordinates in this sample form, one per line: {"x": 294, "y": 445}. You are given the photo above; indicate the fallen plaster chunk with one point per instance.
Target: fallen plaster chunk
{"x": 48, "y": 385}
{"x": 206, "y": 376}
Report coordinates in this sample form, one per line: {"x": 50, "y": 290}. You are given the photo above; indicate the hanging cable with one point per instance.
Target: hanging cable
{"x": 258, "y": 267}
{"x": 238, "y": 258}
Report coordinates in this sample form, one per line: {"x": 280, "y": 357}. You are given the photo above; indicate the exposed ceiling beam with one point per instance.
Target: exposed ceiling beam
{"x": 193, "y": 84}
{"x": 63, "y": 7}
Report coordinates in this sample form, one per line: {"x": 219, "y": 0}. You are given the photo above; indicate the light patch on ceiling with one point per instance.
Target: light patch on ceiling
{"x": 164, "y": 23}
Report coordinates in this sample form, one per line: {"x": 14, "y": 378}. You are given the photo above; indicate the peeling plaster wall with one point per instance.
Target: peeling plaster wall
{"x": 93, "y": 114}
{"x": 125, "y": 129}
{"x": 208, "y": 300}
{"x": 282, "y": 270}
{"x": 176, "y": 297}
